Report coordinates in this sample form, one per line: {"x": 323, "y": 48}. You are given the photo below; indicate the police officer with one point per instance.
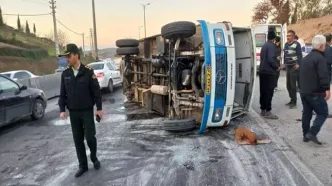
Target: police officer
{"x": 79, "y": 92}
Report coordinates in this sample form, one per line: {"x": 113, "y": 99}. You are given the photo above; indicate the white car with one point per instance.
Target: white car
{"x": 19, "y": 74}
{"x": 107, "y": 73}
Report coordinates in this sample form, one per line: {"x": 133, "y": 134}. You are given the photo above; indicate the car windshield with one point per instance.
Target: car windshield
{"x": 97, "y": 66}
{"x": 260, "y": 39}
{"x": 6, "y": 74}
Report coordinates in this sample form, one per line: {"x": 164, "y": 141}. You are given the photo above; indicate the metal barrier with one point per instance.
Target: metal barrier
{"x": 50, "y": 84}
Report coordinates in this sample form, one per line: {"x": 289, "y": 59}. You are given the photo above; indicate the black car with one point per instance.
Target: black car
{"x": 18, "y": 101}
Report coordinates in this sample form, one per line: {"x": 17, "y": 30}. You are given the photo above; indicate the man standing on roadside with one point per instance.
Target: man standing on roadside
{"x": 79, "y": 92}
{"x": 267, "y": 75}
{"x": 292, "y": 58}
{"x": 328, "y": 53}
{"x": 315, "y": 89}
{"x": 278, "y": 54}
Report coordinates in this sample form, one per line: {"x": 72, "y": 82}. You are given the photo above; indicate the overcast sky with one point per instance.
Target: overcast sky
{"x": 122, "y": 18}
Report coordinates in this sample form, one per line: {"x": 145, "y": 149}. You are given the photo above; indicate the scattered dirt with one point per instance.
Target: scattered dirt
{"x": 307, "y": 29}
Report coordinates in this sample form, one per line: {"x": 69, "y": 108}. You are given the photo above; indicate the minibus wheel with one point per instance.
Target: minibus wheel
{"x": 179, "y": 29}
{"x": 182, "y": 125}
{"x": 126, "y": 43}
{"x": 127, "y": 51}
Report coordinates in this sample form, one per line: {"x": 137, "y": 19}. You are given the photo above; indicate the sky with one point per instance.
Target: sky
{"x": 117, "y": 19}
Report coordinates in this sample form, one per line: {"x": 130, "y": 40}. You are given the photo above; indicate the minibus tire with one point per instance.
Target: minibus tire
{"x": 179, "y": 29}
{"x": 182, "y": 125}
{"x": 126, "y": 43}
{"x": 127, "y": 51}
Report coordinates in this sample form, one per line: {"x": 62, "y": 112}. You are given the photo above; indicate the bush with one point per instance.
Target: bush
{"x": 32, "y": 53}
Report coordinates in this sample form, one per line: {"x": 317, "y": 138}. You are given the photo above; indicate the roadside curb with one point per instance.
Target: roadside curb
{"x": 290, "y": 155}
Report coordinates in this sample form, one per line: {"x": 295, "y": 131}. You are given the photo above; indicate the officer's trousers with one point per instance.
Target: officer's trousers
{"x": 82, "y": 124}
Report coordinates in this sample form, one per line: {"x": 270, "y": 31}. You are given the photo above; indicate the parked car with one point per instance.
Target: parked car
{"x": 18, "y": 101}
{"x": 107, "y": 73}
{"x": 19, "y": 74}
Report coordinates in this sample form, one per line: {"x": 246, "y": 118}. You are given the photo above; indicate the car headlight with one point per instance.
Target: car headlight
{"x": 217, "y": 115}
{"x": 219, "y": 38}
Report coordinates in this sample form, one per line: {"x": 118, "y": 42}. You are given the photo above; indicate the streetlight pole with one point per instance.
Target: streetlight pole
{"x": 144, "y": 7}
{"x": 94, "y": 28}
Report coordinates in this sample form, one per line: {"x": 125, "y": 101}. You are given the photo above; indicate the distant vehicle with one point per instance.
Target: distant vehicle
{"x": 59, "y": 70}
{"x": 306, "y": 50}
{"x": 260, "y": 32}
{"x": 19, "y": 74}
{"x": 18, "y": 101}
{"x": 108, "y": 74}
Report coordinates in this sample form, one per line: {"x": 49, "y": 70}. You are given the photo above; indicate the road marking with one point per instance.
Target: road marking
{"x": 291, "y": 156}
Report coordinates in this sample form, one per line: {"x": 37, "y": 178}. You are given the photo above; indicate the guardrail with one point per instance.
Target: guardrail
{"x": 50, "y": 84}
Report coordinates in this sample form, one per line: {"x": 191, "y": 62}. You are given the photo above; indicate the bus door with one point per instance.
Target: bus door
{"x": 219, "y": 67}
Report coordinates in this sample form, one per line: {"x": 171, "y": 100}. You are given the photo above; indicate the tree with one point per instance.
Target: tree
{"x": 63, "y": 38}
{"x": 261, "y": 11}
{"x": 1, "y": 18}
{"x": 327, "y": 7}
{"x": 19, "y": 27}
{"x": 27, "y": 28}
{"x": 294, "y": 16}
{"x": 34, "y": 29}
{"x": 278, "y": 10}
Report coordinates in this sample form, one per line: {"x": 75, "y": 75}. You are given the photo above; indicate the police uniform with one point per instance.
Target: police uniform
{"x": 79, "y": 92}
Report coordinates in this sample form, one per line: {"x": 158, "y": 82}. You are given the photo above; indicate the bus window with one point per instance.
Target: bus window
{"x": 260, "y": 39}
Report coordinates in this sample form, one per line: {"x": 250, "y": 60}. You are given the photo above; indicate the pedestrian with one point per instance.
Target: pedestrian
{"x": 315, "y": 89}
{"x": 292, "y": 59}
{"x": 79, "y": 92}
{"x": 267, "y": 75}
{"x": 278, "y": 54}
{"x": 328, "y": 53}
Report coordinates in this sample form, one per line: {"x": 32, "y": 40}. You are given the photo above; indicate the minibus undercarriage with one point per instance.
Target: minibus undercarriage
{"x": 166, "y": 73}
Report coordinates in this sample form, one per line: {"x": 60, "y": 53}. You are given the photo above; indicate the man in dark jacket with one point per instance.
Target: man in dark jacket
{"x": 292, "y": 58}
{"x": 79, "y": 92}
{"x": 267, "y": 75}
{"x": 328, "y": 53}
{"x": 315, "y": 89}
{"x": 278, "y": 54}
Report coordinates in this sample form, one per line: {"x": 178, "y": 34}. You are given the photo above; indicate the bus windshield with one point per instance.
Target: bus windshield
{"x": 260, "y": 39}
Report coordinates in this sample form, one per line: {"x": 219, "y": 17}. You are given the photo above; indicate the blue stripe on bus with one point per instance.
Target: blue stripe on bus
{"x": 207, "y": 63}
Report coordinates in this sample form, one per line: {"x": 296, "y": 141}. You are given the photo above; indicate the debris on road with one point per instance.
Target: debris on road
{"x": 245, "y": 136}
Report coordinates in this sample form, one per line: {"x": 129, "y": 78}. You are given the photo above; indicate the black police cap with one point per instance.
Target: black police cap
{"x": 70, "y": 49}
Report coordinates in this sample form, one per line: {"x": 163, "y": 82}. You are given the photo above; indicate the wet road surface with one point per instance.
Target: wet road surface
{"x": 134, "y": 150}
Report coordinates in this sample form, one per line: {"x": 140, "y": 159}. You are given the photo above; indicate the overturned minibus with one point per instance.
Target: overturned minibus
{"x": 193, "y": 74}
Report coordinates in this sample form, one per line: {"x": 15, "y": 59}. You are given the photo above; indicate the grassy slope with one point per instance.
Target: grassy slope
{"x": 38, "y": 67}
{"x": 7, "y": 33}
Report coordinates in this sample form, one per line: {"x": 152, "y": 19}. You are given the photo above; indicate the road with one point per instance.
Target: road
{"x": 134, "y": 150}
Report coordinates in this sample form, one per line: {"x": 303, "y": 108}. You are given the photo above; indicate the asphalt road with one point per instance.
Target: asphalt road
{"x": 135, "y": 151}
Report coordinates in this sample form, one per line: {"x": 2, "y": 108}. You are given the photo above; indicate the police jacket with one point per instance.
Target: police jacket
{"x": 80, "y": 92}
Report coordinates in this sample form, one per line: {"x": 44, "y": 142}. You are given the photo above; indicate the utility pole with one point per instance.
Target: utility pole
{"x": 144, "y": 6}
{"x": 94, "y": 28}
{"x": 56, "y": 41}
{"x": 83, "y": 45}
{"x": 91, "y": 41}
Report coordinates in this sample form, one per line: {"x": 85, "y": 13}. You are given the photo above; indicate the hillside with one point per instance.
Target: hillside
{"x": 17, "y": 38}
{"x": 307, "y": 29}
